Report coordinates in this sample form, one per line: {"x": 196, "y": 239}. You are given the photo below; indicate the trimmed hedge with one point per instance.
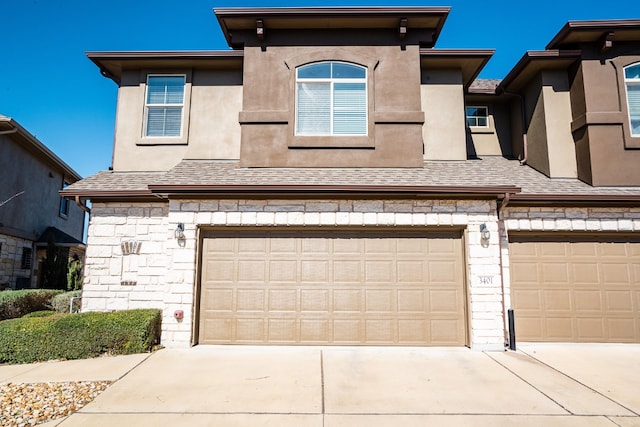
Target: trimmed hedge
{"x": 79, "y": 336}
{"x": 18, "y": 303}
{"x": 41, "y": 313}
{"x": 60, "y": 302}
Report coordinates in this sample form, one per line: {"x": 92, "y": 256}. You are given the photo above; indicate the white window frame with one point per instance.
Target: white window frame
{"x": 627, "y": 83}
{"x": 331, "y": 81}
{"x": 148, "y": 106}
{"x": 486, "y": 116}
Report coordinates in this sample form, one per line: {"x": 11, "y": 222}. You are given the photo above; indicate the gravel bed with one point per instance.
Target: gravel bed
{"x": 33, "y": 403}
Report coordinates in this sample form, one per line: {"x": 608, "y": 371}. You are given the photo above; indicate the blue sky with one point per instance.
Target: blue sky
{"x": 49, "y": 86}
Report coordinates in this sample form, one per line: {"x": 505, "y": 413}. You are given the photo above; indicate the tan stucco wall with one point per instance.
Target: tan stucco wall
{"x": 210, "y": 127}
{"x": 557, "y": 117}
{"x": 538, "y": 153}
{"x": 268, "y": 116}
{"x": 442, "y": 100}
{"x": 605, "y": 151}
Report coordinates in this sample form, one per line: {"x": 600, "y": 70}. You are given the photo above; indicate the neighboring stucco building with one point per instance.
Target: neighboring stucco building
{"x": 32, "y": 211}
{"x": 336, "y": 179}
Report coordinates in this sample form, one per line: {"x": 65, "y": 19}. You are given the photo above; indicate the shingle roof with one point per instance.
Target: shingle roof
{"x": 487, "y": 175}
{"x": 484, "y": 85}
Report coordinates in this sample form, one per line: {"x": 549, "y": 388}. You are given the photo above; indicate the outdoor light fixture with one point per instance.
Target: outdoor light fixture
{"x": 484, "y": 232}
{"x": 179, "y": 233}
{"x": 260, "y": 29}
{"x": 403, "y": 28}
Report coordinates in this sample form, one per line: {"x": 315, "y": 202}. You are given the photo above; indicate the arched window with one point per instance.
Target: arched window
{"x": 632, "y": 83}
{"x": 331, "y": 99}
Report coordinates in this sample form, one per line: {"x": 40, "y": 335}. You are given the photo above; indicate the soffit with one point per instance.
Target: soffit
{"x": 330, "y": 18}
{"x": 112, "y": 64}
{"x": 533, "y": 62}
{"x": 469, "y": 62}
{"x": 575, "y": 33}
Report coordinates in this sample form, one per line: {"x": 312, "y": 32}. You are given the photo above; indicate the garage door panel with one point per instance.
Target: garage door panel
{"x": 559, "y": 328}
{"x": 588, "y": 300}
{"x": 623, "y": 330}
{"x": 585, "y": 274}
{"x": 411, "y": 272}
{"x": 444, "y": 301}
{"x": 620, "y": 301}
{"x": 616, "y": 273}
{"x": 250, "y": 300}
{"x": 557, "y": 300}
{"x": 380, "y": 301}
{"x": 380, "y": 271}
{"x": 283, "y": 300}
{"x": 413, "y": 331}
{"x": 597, "y": 301}
{"x": 590, "y": 328}
{"x": 250, "y": 330}
{"x": 314, "y": 271}
{"x": 411, "y": 301}
{"x": 333, "y": 288}
{"x": 443, "y": 272}
{"x": 251, "y": 271}
{"x": 218, "y": 300}
{"x": 314, "y": 300}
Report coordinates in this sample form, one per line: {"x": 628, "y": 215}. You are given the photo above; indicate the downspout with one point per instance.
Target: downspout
{"x": 7, "y": 132}
{"x": 82, "y": 205}
{"x": 525, "y": 148}
{"x": 502, "y": 230}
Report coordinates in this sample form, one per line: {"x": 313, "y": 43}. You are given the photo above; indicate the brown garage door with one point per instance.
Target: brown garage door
{"x": 576, "y": 289}
{"x": 339, "y": 288}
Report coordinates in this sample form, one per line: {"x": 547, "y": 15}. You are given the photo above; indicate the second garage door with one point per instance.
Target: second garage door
{"x": 339, "y": 288}
{"x": 576, "y": 289}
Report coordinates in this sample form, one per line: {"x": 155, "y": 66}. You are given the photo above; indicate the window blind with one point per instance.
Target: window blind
{"x": 165, "y": 98}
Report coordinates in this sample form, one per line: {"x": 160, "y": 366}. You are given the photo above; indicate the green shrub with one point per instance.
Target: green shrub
{"x": 18, "y": 303}
{"x": 41, "y": 313}
{"x": 79, "y": 336}
{"x": 60, "y": 303}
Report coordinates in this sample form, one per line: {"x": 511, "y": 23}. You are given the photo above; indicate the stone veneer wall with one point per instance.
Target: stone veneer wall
{"x": 563, "y": 219}
{"x": 164, "y": 271}
{"x": 11, "y": 259}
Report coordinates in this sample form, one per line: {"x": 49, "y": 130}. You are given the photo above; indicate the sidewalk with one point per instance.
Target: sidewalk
{"x": 540, "y": 384}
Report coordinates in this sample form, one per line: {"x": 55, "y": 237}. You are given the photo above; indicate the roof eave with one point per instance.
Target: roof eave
{"x": 111, "y": 64}
{"x": 40, "y": 148}
{"x": 493, "y": 191}
{"x": 533, "y": 62}
{"x": 469, "y": 61}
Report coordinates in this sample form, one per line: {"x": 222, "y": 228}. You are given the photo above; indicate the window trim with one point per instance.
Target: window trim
{"x": 329, "y": 141}
{"x": 63, "y": 210}
{"x": 331, "y": 82}
{"x": 627, "y": 83}
{"x": 26, "y": 259}
{"x": 467, "y": 117}
{"x": 186, "y": 106}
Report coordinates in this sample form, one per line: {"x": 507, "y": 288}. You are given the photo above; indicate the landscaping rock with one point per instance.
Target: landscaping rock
{"x": 29, "y": 404}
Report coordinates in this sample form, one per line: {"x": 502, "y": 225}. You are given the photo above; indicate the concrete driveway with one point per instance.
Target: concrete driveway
{"x": 539, "y": 385}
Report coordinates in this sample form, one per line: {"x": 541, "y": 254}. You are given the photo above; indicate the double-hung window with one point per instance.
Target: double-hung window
{"x": 477, "y": 117}
{"x": 331, "y": 99}
{"x": 164, "y": 105}
{"x": 632, "y": 83}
